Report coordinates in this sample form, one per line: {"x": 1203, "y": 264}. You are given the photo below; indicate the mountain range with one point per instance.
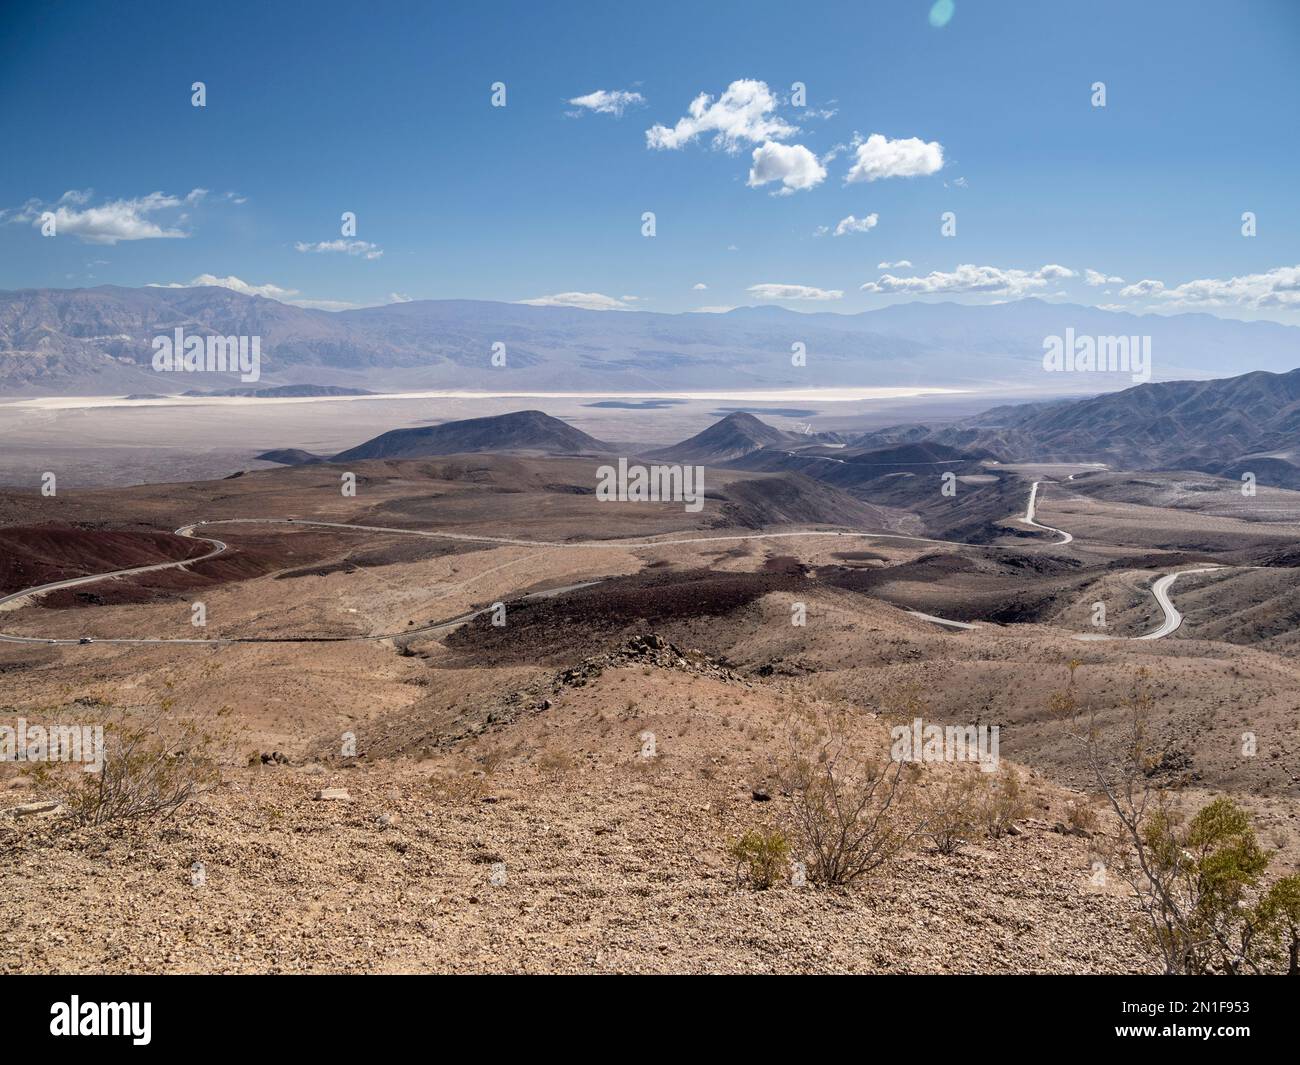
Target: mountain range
{"x": 99, "y": 341}
{"x": 1227, "y": 427}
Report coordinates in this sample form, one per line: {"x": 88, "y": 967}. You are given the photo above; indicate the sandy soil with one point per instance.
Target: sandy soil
{"x": 484, "y": 745}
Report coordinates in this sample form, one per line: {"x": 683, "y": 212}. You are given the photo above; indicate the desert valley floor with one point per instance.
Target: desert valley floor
{"x": 502, "y": 813}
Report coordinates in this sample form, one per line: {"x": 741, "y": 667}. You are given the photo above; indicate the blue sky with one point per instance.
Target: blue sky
{"x": 384, "y": 109}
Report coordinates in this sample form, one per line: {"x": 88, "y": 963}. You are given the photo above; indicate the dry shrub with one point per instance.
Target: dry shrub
{"x": 846, "y": 806}
{"x": 760, "y": 856}
{"x": 952, "y": 808}
{"x": 1002, "y": 803}
{"x": 1082, "y": 819}
{"x": 458, "y": 786}
{"x": 555, "y": 762}
{"x": 151, "y": 769}
{"x": 1199, "y": 881}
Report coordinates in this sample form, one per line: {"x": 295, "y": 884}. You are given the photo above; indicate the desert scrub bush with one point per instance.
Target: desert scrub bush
{"x": 1081, "y": 819}
{"x": 952, "y": 807}
{"x": 151, "y": 769}
{"x": 760, "y": 856}
{"x": 847, "y": 811}
{"x": 463, "y": 785}
{"x": 1002, "y": 803}
{"x": 1198, "y": 880}
{"x": 554, "y": 762}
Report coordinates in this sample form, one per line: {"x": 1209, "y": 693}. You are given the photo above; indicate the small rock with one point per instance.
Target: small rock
{"x": 761, "y": 794}
{"x": 332, "y": 793}
{"x": 38, "y": 809}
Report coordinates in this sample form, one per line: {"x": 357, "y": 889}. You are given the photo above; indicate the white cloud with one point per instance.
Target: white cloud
{"x": 607, "y": 101}
{"x": 878, "y": 157}
{"x": 902, "y": 264}
{"x": 1143, "y": 288}
{"x": 109, "y": 222}
{"x": 269, "y": 291}
{"x": 587, "y": 301}
{"x": 1096, "y": 279}
{"x": 987, "y": 280}
{"x": 398, "y": 297}
{"x": 699, "y": 286}
{"x": 793, "y": 292}
{"x": 1279, "y": 287}
{"x": 347, "y": 247}
{"x": 791, "y": 164}
{"x": 856, "y": 225}
{"x": 235, "y": 284}
{"x": 713, "y": 310}
{"x": 1054, "y": 272}
{"x": 743, "y": 113}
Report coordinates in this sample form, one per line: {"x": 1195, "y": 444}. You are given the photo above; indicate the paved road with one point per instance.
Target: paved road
{"x": 1028, "y": 519}
{"x": 943, "y": 621}
{"x": 1160, "y": 590}
{"x": 1173, "y": 618}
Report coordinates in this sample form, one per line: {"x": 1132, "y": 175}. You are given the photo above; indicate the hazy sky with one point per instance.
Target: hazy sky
{"x": 684, "y": 110}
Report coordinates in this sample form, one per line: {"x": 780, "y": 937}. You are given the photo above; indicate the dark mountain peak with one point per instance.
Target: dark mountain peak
{"x": 731, "y": 438}
{"x": 520, "y": 430}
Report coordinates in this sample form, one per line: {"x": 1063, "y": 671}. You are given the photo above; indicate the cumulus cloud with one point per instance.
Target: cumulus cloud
{"x": 744, "y": 112}
{"x": 112, "y": 221}
{"x": 269, "y": 291}
{"x": 699, "y": 286}
{"x": 607, "y": 102}
{"x": 967, "y": 278}
{"x": 902, "y": 264}
{"x": 1143, "y": 288}
{"x": 791, "y": 164}
{"x": 850, "y": 224}
{"x": 346, "y": 247}
{"x": 879, "y": 157}
{"x": 1276, "y": 288}
{"x": 235, "y": 284}
{"x": 1096, "y": 279}
{"x": 793, "y": 292}
{"x": 587, "y": 301}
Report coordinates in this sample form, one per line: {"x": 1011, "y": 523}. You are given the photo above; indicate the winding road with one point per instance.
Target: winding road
{"x": 1028, "y": 519}
{"x": 1160, "y": 589}
{"x": 1173, "y": 619}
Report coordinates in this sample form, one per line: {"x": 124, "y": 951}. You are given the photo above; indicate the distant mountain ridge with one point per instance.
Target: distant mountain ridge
{"x": 98, "y": 341}
{"x": 1225, "y": 427}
